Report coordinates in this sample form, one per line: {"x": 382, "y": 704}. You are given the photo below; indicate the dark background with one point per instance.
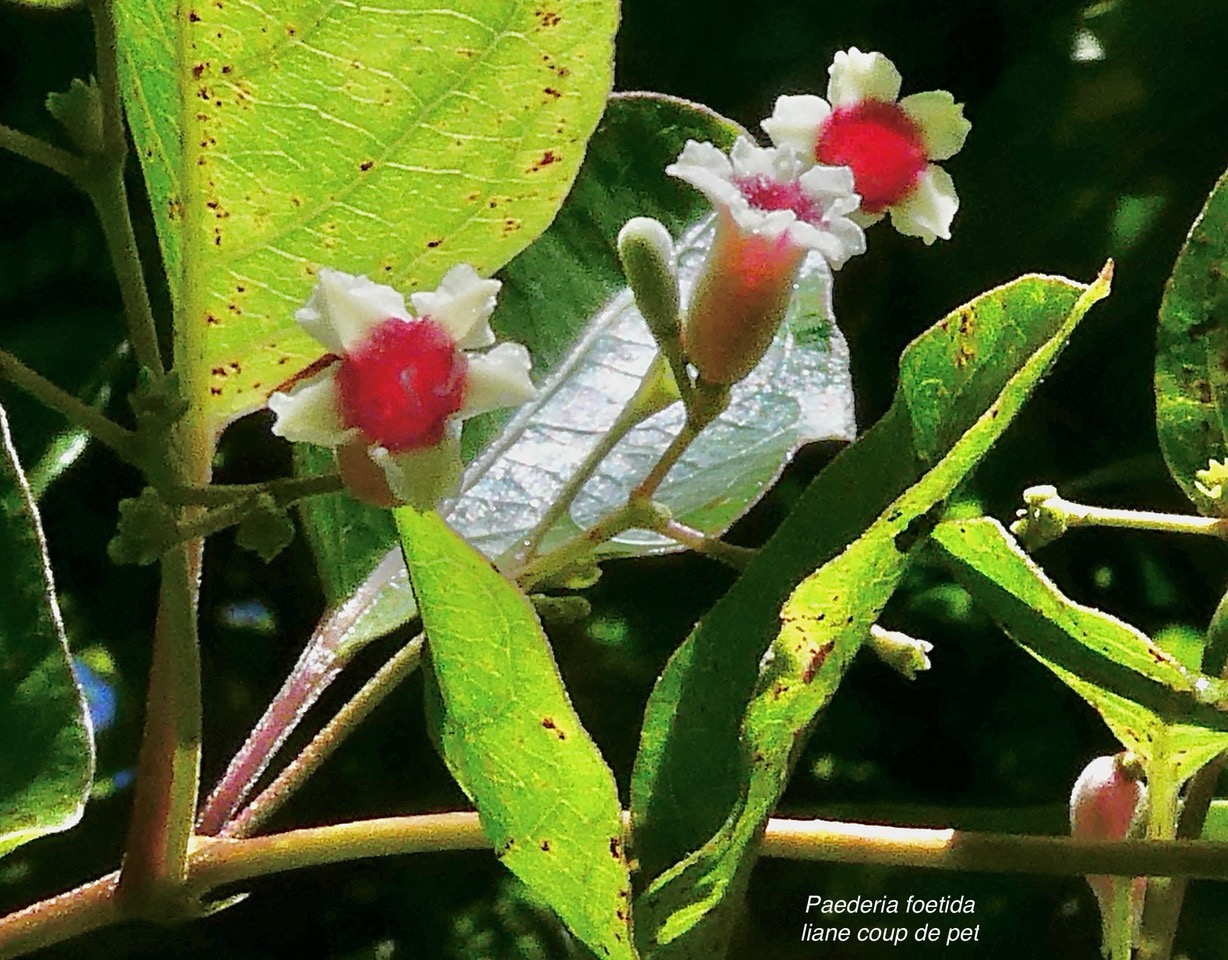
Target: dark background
{"x": 1069, "y": 162}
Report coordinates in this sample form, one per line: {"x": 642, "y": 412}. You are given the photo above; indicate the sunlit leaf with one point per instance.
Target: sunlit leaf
{"x": 1192, "y": 353}
{"x": 392, "y": 140}
{"x": 46, "y": 744}
{"x": 546, "y": 798}
{"x": 961, "y": 383}
{"x": 1156, "y": 706}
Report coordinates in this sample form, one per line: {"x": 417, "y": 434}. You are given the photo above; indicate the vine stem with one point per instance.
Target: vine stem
{"x": 44, "y": 154}
{"x": 168, "y": 771}
{"x": 106, "y": 431}
{"x": 326, "y": 653}
{"x": 404, "y": 662}
{"x": 109, "y": 194}
{"x": 217, "y": 862}
{"x": 656, "y": 392}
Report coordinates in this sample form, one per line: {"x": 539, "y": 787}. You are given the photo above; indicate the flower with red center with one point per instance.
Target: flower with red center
{"x": 889, "y": 143}
{"x": 773, "y": 207}
{"x": 397, "y": 386}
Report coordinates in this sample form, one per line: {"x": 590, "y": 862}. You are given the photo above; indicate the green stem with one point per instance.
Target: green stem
{"x": 656, "y": 392}
{"x": 39, "y": 151}
{"x": 698, "y": 541}
{"x": 123, "y": 442}
{"x": 114, "y": 145}
{"x": 285, "y": 490}
{"x": 705, "y": 403}
{"x": 164, "y": 797}
{"x": 1086, "y": 516}
{"x": 73, "y": 913}
{"x": 673, "y": 453}
{"x": 1047, "y": 516}
{"x": 579, "y": 549}
{"x": 107, "y": 190}
{"x": 1163, "y": 907}
{"x": 216, "y": 520}
{"x": 110, "y": 197}
{"x": 404, "y": 662}
{"x": 220, "y": 862}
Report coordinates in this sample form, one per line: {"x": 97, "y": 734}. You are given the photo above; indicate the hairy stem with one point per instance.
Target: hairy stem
{"x": 109, "y": 194}
{"x": 1163, "y": 906}
{"x": 656, "y": 392}
{"x": 321, "y": 660}
{"x": 219, "y": 862}
{"x": 285, "y": 490}
{"x": 39, "y": 151}
{"x": 110, "y": 197}
{"x": 106, "y": 431}
{"x": 404, "y": 662}
{"x": 164, "y": 797}
{"x": 714, "y": 547}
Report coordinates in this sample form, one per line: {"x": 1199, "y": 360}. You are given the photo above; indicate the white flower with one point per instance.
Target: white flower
{"x": 773, "y": 207}
{"x": 399, "y": 386}
{"x": 889, "y": 143}
{"x": 776, "y": 192}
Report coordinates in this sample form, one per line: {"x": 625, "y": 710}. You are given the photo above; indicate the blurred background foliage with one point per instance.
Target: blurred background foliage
{"x": 1097, "y": 132}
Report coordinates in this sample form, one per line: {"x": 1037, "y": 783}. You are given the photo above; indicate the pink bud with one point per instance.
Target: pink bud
{"x": 739, "y": 301}
{"x": 1108, "y": 798}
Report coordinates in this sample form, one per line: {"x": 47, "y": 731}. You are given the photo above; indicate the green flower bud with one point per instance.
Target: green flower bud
{"x": 647, "y": 254}
{"x": 79, "y": 111}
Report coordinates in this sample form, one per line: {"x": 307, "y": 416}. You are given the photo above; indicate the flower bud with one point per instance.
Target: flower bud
{"x": 647, "y": 254}
{"x": 79, "y": 111}
{"x": 739, "y": 301}
{"x": 1107, "y": 801}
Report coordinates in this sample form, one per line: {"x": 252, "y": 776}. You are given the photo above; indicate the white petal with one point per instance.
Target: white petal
{"x": 425, "y": 476}
{"x": 795, "y": 122}
{"x": 837, "y": 240}
{"x": 462, "y": 305}
{"x": 927, "y": 212}
{"x": 709, "y": 171}
{"x": 941, "y": 120}
{"x": 497, "y": 379}
{"x": 857, "y": 76}
{"x": 765, "y": 223}
{"x": 309, "y": 413}
{"x": 343, "y": 309}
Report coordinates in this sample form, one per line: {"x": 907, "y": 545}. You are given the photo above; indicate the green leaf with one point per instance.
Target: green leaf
{"x": 393, "y": 140}
{"x": 568, "y": 287}
{"x": 546, "y": 798}
{"x": 46, "y": 744}
{"x": 1192, "y": 353}
{"x": 46, "y": 4}
{"x": 967, "y": 373}
{"x": 1157, "y": 707}
{"x": 825, "y": 620}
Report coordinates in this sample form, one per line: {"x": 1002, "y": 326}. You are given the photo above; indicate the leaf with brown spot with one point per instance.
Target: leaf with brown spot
{"x": 1191, "y": 378}
{"x": 284, "y": 149}
{"x": 500, "y": 709}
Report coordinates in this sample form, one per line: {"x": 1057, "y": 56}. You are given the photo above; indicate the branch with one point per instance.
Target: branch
{"x": 219, "y": 862}
{"x": 104, "y": 430}
{"x": 404, "y": 662}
